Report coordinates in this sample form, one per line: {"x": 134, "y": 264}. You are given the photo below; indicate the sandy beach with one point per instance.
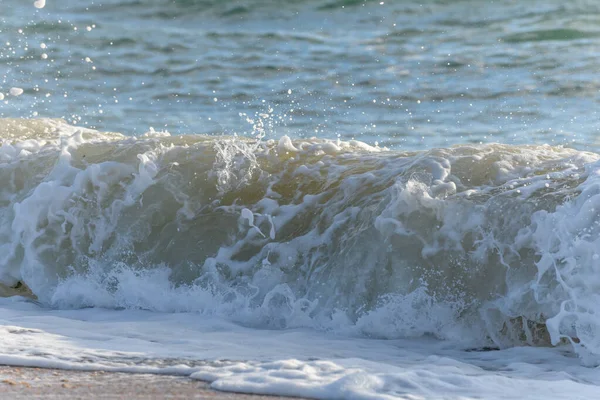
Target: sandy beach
{"x": 40, "y": 383}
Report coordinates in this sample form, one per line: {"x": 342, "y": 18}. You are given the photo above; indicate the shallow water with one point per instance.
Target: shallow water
{"x": 342, "y": 199}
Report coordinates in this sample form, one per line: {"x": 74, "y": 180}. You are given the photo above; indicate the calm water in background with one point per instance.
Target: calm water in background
{"x": 406, "y": 75}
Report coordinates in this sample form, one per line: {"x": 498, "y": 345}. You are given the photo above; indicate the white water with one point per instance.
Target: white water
{"x": 290, "y": 258}
{"x": 291, "y": 362}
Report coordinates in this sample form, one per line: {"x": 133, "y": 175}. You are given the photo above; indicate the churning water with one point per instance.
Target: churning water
{"x": 349, "y": 179}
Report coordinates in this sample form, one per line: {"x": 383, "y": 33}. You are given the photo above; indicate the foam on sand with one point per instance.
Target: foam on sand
{"x": 296, "y": 362}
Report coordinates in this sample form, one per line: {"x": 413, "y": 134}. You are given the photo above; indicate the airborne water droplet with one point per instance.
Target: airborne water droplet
{"x": 15, "y": 91}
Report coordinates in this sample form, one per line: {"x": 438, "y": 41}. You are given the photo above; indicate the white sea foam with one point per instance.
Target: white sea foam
{"x": 479, "y": 245}
{"x": 286, "y": 362}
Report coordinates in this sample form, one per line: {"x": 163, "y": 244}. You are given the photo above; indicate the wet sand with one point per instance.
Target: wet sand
{"x": 40, "y": 383}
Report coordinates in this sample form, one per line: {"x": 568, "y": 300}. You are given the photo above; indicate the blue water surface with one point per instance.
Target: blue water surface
{"x": 402, "y": 74}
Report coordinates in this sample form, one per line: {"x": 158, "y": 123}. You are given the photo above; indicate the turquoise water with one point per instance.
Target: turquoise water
{"x": 401, "y": 74}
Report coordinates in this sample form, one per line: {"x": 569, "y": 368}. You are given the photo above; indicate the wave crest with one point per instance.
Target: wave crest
{"x": 490, "y": 243}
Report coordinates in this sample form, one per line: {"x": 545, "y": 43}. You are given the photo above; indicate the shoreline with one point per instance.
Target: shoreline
{"x": 21, "y": 383}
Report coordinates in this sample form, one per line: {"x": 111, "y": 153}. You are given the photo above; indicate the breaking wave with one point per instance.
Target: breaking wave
{"x": 479, "y": 243}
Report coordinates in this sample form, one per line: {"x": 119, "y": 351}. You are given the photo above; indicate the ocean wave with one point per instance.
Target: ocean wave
{"x": 485, "y": 243}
